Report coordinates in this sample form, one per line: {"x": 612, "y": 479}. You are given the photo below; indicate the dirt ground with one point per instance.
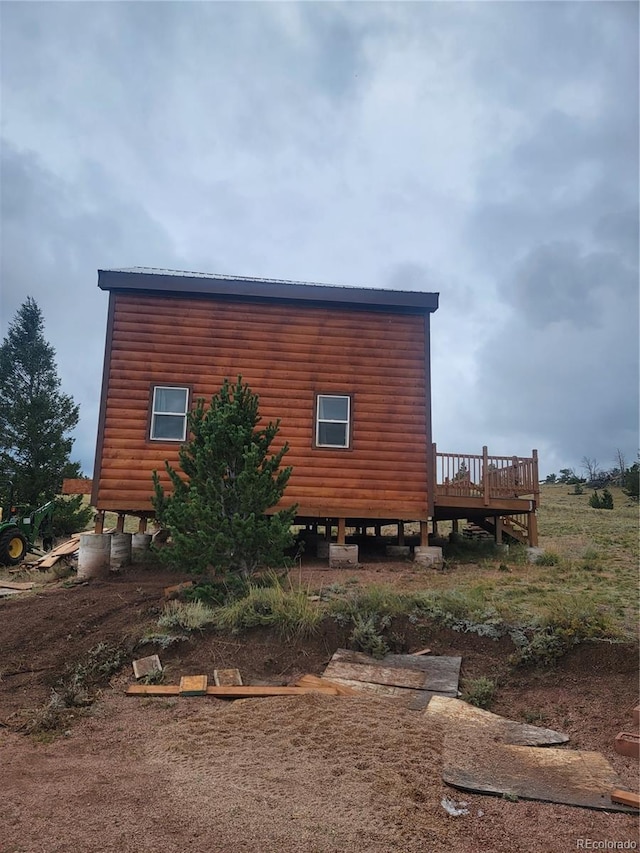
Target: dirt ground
{"x": 309, "y": 773}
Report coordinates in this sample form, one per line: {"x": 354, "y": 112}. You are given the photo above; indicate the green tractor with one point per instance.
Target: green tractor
{"x": 19, "y": 529}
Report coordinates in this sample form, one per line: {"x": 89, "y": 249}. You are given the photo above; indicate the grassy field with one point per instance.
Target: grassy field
{"x": 590, "y": 564}
{"x": 587, "y": 576}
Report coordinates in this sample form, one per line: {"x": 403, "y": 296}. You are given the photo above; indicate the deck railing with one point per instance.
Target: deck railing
{"x": 480, "y": 475}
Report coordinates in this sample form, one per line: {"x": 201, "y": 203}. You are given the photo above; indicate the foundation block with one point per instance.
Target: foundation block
{"x": 428, "y": 556}
{"x": 343, "y": 556}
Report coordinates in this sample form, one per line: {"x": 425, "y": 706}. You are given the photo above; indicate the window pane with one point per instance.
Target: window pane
{"x": 332, "y": 434}
{"x": 333, "y": 408}
{"x": 171, "y": 400}
{"x": 168, "y": 426}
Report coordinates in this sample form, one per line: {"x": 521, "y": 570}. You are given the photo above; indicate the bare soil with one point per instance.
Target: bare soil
{"x": 309, "y": 773}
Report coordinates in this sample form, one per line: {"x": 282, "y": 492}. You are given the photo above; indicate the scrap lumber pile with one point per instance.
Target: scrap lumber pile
{"x": 65, "y": 549}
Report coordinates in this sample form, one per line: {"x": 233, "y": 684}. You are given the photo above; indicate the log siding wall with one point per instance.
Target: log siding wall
{"x": 288, "y": 353}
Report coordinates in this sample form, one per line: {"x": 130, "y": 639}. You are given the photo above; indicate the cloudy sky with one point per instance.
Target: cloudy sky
{"x": 484, "y": 150}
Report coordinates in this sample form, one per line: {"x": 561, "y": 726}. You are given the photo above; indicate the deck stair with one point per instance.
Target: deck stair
{"x": 515, "y": 528}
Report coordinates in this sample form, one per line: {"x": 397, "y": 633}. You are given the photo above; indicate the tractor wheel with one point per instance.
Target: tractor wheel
{"x": 13, "y": 547}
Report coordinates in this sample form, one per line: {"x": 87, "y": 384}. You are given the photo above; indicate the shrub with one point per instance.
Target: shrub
{"x": 549, "y": 558}
{"x": 631, "y": 482}
{"x": 604, "y": 502}
{"x": 290, "y": 611}
{"x": 189, "y": 616}
{"x": 566, "y": 625}
{"x": 366, "y": 638}
{"x": 479, "y": 691}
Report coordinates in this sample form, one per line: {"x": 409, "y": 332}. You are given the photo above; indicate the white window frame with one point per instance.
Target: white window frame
{"x": 320, "y": 420}
{"x": 182, "y": 415}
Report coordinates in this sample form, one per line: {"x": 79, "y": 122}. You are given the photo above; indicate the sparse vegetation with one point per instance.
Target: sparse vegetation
{"x": 186, "y": 616}
{"x": 288, "y": 611}
{"x": 366, "y": 637}
{"x": 479, "y": 691}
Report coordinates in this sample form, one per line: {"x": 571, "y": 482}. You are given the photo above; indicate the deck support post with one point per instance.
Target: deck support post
{"x": 401, "y": 533}
{"x": 378, "y": 530}
{"x": 424, "y": 534}
{"x": 98, "y": 522}
{"x": 342, "y": 532}
{"x": 327, "y": 530}
{"x": 455, "y": 525}
{"x": 533, "y": 529}
{"x": 120, "y": 523}
{"x": 434, "y": 527}
{"x": 498, "y": 527}
{"x": 142, "y": 524}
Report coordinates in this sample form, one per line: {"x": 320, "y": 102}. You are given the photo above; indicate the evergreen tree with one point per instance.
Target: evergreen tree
{"x": 35, "y": 416}
{"x": 631, "y": 482}
{"x": 229, "y": 478}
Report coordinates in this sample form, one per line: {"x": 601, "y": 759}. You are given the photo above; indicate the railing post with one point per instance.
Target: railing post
{"x": 536, "y": 479}
{"x": 485, "y": 474}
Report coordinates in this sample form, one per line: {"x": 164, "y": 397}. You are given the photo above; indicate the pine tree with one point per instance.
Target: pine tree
{"x": 229, "y": 478}
{"x": 35, "y": 416}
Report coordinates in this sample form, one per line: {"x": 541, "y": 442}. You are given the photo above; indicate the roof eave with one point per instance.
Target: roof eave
{"x": 193, "y": 285}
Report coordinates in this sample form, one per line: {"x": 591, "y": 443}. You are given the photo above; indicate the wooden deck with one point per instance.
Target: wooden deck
{"x": 498, "y": 493}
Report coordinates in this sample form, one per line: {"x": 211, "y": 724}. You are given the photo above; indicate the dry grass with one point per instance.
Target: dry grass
{"x": 590, "y": 568}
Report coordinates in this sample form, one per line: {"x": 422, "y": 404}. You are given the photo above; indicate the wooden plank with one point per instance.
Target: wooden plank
{"x": 153, "y": 690}
{"x": 316, "y": 681}
{"x": 175, "y": 590}
{"x": 76, "y": 486}
{"x": 227, "y": 677}
{"x": 572, "y": 777}
{"x": 193, "y": 685}
{"x": 626, "y": 798}
{"x": 15, "y": 585}
{"x": 237, "y": 692}
{"x": 70, "y": 546}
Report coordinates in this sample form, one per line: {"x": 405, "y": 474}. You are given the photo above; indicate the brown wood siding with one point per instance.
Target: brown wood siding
{"x": 287, "y": 353}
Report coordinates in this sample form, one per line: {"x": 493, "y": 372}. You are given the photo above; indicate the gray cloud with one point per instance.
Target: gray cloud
{"x": 488, "y": 151}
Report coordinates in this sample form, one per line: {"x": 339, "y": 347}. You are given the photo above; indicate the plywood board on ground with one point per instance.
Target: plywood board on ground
{"x": 146, "y": 666}
{"x": 20, "y": 587}
{"x": 229, "y": 677}
{"x": 436, "y": 674}
{"x": 456, "y": 715}
{"x": 414, "y": 700}
{"x": 571, "y": 777}
{"x": 193, "y": 685}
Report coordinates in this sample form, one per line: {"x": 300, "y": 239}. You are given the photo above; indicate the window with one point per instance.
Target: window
{"x": 169, "y": 413}
{"x": 333, "y": 415}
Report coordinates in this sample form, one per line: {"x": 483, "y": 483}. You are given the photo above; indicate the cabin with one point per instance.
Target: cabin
{"x": 346, "y": 370}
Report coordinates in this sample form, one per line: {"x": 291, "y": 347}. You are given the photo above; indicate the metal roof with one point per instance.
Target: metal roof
{"x": 179, "y": 283}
